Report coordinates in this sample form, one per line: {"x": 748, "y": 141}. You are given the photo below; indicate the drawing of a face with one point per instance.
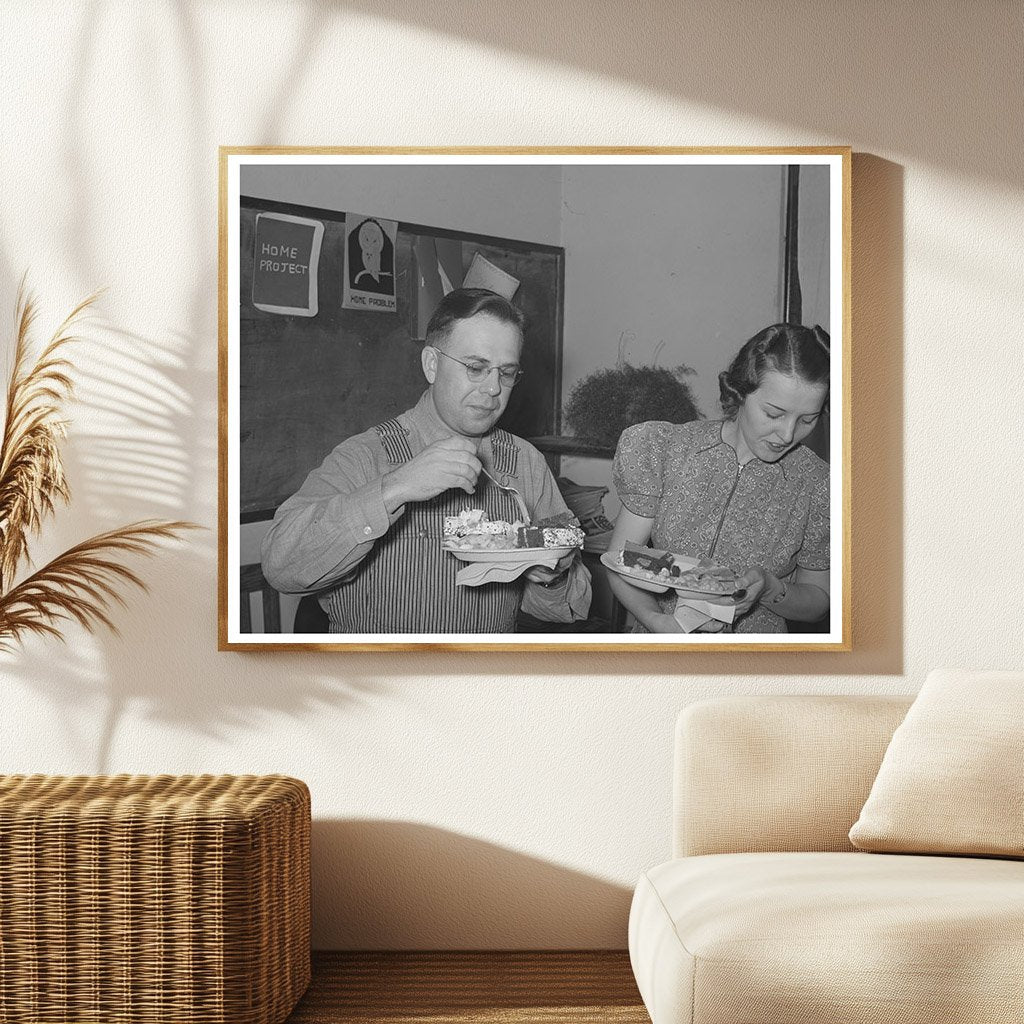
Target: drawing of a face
{"x": 371, "y": 241}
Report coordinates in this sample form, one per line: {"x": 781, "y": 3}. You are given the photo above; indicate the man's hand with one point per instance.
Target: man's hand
{"x": 541, "y": 574}
{"x": 450, "y": 462}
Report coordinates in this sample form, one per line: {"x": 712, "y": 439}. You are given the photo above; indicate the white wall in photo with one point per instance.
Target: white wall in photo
{"x": 510, "y": 202}
{"x": 473, "y": 800}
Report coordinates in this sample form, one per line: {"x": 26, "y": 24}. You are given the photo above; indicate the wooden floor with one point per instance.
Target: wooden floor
{"x": 472, "y": 988}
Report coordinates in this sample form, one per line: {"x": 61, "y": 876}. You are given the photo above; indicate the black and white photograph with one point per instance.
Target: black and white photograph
{"x": 577, "y": 400}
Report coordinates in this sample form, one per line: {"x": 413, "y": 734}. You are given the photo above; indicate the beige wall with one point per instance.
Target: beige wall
{"x": 476, "y": 800}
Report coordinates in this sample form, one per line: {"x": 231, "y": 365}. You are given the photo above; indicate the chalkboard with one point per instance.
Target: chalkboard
{"x": 308, "y": 382}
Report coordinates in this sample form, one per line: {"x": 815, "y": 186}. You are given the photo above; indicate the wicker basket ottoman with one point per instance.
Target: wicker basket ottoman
{"x": 137, "y": 899}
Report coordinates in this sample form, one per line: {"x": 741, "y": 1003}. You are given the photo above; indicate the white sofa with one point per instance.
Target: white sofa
{"x": 768, "y": 915}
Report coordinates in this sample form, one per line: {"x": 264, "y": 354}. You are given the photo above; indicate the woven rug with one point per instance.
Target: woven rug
{"x": 472, "y": 988}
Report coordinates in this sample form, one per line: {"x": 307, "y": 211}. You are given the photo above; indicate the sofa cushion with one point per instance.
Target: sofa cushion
{"x": 782, "y": 938}
{"x": 950, "y": 780}
{"x": 777, "y": 772}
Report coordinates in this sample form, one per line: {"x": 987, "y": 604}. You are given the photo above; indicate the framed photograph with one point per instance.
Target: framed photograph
{"x": 579, "y": 399}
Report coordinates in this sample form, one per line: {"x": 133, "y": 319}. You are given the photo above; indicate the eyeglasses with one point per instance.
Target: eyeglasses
{"x": 508, "y": 376}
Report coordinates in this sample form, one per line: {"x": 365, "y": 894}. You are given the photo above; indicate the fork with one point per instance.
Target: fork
{"x": 511, "y": 490}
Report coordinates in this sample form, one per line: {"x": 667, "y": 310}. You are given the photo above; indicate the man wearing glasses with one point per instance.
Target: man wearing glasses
{"x": 364, "y": 531}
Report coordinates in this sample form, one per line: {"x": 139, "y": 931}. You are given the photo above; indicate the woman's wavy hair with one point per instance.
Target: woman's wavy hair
{"x": 791, "y": 349}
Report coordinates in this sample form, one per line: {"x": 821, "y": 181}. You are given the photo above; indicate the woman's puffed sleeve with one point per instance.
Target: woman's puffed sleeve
{"x": 814, "y": 552}
{"x": 638, "y": 467}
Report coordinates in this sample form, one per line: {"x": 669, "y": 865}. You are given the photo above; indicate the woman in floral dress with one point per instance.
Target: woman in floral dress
{"x": 742, "y": 491}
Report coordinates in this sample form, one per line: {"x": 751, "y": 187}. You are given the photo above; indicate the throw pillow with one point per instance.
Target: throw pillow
{"x": 951, "y": 780}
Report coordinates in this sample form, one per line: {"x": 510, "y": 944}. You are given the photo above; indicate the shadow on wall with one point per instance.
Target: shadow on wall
{"x": 156, "y": 387}
{"x": 402, "y": 885}
{"x": 881, "y": 75}
{"x": 138, "y": 453}
{"x": 167, "y": 677}
{"x": 147, "y": 448}
{"x": 154, "y": 400}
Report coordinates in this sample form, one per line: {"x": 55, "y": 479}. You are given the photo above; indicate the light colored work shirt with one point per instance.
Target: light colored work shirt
{"x": 685, "y": 478}
{"x": 381, "y": 572}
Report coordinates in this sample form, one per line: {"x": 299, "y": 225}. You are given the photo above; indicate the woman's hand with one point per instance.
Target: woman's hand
{"x": 757, "y": 583}
{"x": 802, "y": 597}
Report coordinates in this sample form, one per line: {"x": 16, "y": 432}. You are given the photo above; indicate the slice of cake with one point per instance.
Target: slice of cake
{"x": 638, "y": 558}
{"x": 549, "y": 537}
{"x": 560, "y": 531}
{"x": 529, "y": 537}
{"x": 563, "y": 536}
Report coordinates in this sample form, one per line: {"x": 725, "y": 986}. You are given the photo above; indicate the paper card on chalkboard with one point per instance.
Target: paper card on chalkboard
{"x": 438, "y": 269}
{"x": 286, "y": 256}
{"x": 483, "y": 273}
{"x": 369, "y": 282}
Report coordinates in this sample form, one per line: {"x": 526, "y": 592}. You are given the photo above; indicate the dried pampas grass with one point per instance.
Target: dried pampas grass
{"x": 82, "y": 583}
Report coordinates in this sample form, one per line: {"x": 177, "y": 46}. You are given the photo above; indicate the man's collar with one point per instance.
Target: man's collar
{"x": 424, "y": 418}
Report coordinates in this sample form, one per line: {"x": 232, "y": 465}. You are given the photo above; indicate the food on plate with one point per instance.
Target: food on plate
{"x": 648, "y": 560}
{"x": 559, "y": 531}
{"x": 661, "y": 567}
{"x": 562, "y": 536}
{"x": 473, "y": 530}
{"x": 707, "y": 581}
{"x": 471, "y": 521}
{"x": 529, "y": 537}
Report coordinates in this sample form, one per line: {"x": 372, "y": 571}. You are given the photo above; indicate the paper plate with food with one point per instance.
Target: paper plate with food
{"x": 661, "y": 571}
{"x": 472, "y": 536}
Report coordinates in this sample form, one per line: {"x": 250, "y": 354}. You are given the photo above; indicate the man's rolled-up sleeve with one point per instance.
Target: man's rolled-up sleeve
{"x": 324, "y": 530}
{"x": 568, "y": 600}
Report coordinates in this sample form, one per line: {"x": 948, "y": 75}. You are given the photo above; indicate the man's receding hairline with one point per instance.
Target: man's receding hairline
{"x": 441, "y": 338}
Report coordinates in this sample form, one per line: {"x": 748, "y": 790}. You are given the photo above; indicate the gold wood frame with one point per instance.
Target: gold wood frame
{"x": 839, "y": 639}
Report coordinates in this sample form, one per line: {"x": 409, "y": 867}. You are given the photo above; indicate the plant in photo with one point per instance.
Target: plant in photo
{"x": 602, "y": 404}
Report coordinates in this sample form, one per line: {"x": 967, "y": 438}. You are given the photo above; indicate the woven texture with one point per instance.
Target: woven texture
{"x": 507, "y": 987}
{"x": 785, "y": 773}
{"x": 951, "y": 780}
{"x": 137, "y": 899}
